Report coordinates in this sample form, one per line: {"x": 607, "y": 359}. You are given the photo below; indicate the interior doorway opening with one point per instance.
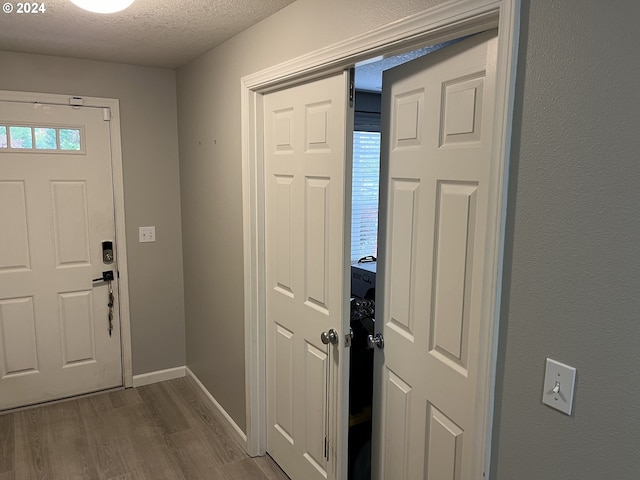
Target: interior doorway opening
{"x": 451, "y": 20}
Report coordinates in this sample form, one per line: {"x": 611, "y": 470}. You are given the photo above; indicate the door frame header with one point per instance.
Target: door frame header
{"x": 449, "y": 20}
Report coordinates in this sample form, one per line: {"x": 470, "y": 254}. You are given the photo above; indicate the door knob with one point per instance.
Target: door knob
{"x": 330, "y": 336}
{"x": 376, "y": 340}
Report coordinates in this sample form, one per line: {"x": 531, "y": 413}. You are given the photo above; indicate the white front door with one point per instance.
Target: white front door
{"x": 436, "y": 162}
{"x": 307, "y": 226}
{"x": 56, "y": 209}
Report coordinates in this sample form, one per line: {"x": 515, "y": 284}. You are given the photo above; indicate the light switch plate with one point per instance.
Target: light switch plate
{"x": 147, "y": 234}
{"x": 559, "y": 386}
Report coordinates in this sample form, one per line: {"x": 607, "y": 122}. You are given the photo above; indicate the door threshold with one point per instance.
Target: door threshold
{"x": 59, "y": 400}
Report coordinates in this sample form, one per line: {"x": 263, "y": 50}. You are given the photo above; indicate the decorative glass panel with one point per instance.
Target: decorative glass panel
{"x": 40, "y": 139}
{"x": 46, "y": 138}
{"x": 69, "y": 139}
{"x": 20, "y": 137}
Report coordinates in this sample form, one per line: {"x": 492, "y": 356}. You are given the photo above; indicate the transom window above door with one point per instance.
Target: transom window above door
{"x": 40, "y": 139}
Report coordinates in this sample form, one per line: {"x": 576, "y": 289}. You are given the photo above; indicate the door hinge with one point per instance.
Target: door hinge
{"x": 106, "y": 114}
{"x": 352, "y": 86}
{"x": 326, "y": 448}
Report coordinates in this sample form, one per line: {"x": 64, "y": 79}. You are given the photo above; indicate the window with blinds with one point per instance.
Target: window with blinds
{"x": 365, "y": 187}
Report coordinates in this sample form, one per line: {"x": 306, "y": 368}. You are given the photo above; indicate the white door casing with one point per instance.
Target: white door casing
{"x": 58, "y": 207}
{"x": 307, "y": 195}
{"x": 434, "y": 25}
{"x": 436, "y": 161}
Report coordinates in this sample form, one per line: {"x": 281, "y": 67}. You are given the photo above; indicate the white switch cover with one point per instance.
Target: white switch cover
{"x": 147, "y": 234}
{"x": 559, "y": 386}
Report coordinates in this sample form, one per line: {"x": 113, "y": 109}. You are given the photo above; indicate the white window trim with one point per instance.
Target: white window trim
{"x": 450, "y": 20}
{"x": 118, "y": 196}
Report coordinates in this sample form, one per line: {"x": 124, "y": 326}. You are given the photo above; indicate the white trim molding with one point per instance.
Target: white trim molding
{"x": 223, "y": 412}
{"x": 118, "y": 198}
{"x": 158, "y": 376}
{"x": 449, "y": 20}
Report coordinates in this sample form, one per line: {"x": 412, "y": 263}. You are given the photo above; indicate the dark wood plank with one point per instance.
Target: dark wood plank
{"x": 157, "y": 462}
{"x": 167, "y": 431}
{"x": 111, "y": 446}
{"x": 243, "y": 470}
{"x": 270, "y": 468}
{"x": 133, "y": 475}
{"x": 32, "y": 450}
{"x": 193, "y": 456}
{"x": 221, "y": 446}
{"x": 160, "y": 404}
{"x": 63, "y": 420}
{"x": 122, "y": 398}
{"x": 7, "y": 443}
{"x": 70, "y": 456}
{"x": 205, "y": 446}
{"x": 193, "y": 402}
{"x": 224, "y": 443}
{"x": 136, "y": 421}
{"x": 72, "y": 460}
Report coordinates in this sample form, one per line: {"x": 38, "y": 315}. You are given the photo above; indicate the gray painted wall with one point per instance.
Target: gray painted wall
{"x": 572, "y": 276}
{"x": 570, "y": 285}
{"x": 151, "y": 184}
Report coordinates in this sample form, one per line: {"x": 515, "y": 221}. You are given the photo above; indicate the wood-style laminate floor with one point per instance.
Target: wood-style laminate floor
{"x": 167, "y": 430}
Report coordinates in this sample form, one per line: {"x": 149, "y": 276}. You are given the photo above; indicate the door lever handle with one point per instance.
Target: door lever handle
{"x": 107, "y": 276}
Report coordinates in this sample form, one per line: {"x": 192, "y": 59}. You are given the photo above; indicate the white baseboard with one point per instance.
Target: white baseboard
{"x": 158, "y": 376}
{"x": 224, "y": 413}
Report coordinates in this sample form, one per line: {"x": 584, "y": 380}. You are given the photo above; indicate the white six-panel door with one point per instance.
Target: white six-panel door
{"x": 436, "y": 162}
{"x": 307, "y": 200}
{"x": 56, "y": 207}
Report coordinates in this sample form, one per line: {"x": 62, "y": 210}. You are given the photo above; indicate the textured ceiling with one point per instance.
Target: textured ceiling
{"x": 369, "y": 73}
{"x": 160, "y": 33}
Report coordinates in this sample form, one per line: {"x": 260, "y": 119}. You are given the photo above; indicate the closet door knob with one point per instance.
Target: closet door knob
{"x": 376, "y": 340}
{"x": 329, "y": 337}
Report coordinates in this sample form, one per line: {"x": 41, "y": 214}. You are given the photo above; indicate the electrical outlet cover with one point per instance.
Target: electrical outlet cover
{"x": 559, "y": 386}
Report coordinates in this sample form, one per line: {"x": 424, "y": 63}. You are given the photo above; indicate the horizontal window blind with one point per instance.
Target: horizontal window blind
{"x": 365, "y": 187}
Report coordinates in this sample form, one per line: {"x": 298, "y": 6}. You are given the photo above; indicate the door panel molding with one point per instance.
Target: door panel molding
{"x": 441, "y": 23}
{"x": 444, "y": 299}
{"x": 112, "y": 107}
{"x": 307, "y": 202}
